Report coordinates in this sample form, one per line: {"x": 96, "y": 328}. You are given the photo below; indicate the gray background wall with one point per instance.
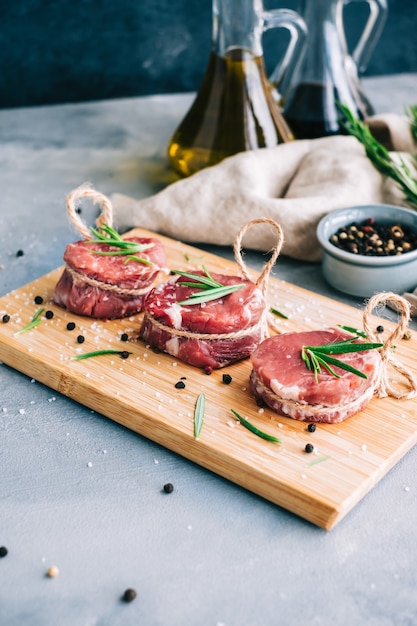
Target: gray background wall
{"x": 72, "y": 50}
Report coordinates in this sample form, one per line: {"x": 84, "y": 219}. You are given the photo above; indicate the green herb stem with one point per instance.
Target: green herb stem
{"x": 318, "y": 357}
{"x": 209, "y": 289}
{"x": 36, "y": 320}
{"x": 397, "y": 169}
{"x": 279, "y": 313}
{"x": 199, "y": 412}
{"x": 88, "y": 355}
{"x": 254, "y": 429}
{"x": 126, "y": 248}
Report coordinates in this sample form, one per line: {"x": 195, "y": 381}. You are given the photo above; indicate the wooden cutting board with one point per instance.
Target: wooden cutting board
{"x": 140, "y": 393}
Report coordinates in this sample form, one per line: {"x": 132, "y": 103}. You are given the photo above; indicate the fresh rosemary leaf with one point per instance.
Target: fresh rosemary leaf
{"x": 199, "y": 411}
{"x": 279, "y": 313}
{"x": 316, "y": 357}
{"x": 36, "y": 319}
{"x": 350, "y": 329}
{"x": 320, "y": 460}
{"x": 344, "y": 347}
{"x": 254, "y": 429}
{"x": 397, "y": 169}
{"x": 88, "y": 355}
{"x": 211, "y": 294}
{"x": 328, "y": 360}
{"x": 202, "y": 279}
{"x": 210, "y": 289}
{"x": 112, "y": 238}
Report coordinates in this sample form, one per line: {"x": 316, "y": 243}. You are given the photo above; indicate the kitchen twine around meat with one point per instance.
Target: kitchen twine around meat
{"x": 86, "y": 190}
{"x": 261, "y": 282}
{"x": 384, "y": 387}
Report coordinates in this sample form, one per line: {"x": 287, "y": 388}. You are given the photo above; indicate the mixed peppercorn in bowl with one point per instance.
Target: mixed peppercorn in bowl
{"x": 368, "y": 249}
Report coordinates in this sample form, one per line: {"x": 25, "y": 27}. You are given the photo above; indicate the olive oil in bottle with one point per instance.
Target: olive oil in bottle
{"x": 234, "y": 111}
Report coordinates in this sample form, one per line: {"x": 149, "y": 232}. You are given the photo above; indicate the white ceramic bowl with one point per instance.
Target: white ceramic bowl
{"x": 360, "y": 275}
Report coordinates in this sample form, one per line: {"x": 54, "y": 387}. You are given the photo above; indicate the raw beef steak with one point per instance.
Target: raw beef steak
{"x": 208, "y": 335}
{"x": 107, "y": 286}
{"x": 281, "y": 379}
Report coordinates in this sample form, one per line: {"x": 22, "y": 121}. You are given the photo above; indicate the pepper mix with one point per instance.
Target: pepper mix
{"x": 371, "y": 238}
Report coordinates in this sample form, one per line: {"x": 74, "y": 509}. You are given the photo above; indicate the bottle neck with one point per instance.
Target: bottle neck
{"x": 326, "y": 43}
{"x": 237, "y": 24}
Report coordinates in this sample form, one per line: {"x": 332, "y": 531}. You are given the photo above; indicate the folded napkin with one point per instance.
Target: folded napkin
{"x": 295, "y": 184}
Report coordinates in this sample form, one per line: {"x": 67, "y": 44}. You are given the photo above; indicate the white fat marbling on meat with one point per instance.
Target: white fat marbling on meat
{"x": 174, "y": 312}
{"x": 172, "y": 346}
{"x": 284, "y": 391}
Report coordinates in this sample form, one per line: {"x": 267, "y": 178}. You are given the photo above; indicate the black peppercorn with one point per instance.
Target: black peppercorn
{"x": 49, "y": 315}
{"x": 309, "y": 447}
{"x": 124, "y": 337}
{"x": 180, "y": 385}
{"x": 3, "y": 551}
{"x": 38, "y": 300}
{"x": 19, "y": 253}
{"x": 5, "y": 318}
{"x": 379, "y": 329}
{"x": 124, "y": 354}
{"x": 80, "y": 339}
{"x": 226, "y": 379}
{"x": 168, "y": 488}
{"x": 311, "y": 428}
{"x": 129, "y": 595}
{"x": 70, "y": 325}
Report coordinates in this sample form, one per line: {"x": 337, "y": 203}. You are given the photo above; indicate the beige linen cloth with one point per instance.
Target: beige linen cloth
{"x": 295, "y": 184}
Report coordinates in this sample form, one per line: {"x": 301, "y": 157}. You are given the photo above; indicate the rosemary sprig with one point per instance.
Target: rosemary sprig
{"x": 279, "y": 313}
{"x": 210, "y": 289}
{"x": 199, "y": 411}
{"x": 316, "y": 357}
{"x": 355, "y": 331}
{"x": 36, "y": 319}
{"x": 254, "y": 429}
{"x": 411, "y": 113}
{"x": 88, "y": 355}
{"x": 125, "y": 248}
{"x": 380, "y": 157}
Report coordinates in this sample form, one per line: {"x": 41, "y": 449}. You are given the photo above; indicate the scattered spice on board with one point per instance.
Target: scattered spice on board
{"x": 124, "y": 337}
{"x": 168, "y": 488}
{"x": 19, "y": 253}
{"x": 5, "y": 318}
{"x": 70, "y": 325}
{"x": 309, "y": 448}
{"x": 80, "y": 339}
{"x": 38, "y": 300}
{"x": 3, "y": 551}
{"x": 49, "y": 314}
{"x": 180, "y": 385}
{"x": 129, "y": 595}
{"x": 226, "y": 379}
{"x": 52, "y": 572}
{"x": 311, "y": 428}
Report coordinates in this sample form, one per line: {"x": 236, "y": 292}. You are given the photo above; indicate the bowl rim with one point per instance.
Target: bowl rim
{"x": 323, "y": 233}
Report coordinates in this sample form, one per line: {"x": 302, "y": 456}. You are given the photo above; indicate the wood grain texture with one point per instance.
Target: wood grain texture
{"x": 139, "y": 393}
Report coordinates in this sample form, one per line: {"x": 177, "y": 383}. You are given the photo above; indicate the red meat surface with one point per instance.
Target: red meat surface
{"x": 239, "y": 311}
{"x": 281, "y": 379}
{"x": 77, "y": 296}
